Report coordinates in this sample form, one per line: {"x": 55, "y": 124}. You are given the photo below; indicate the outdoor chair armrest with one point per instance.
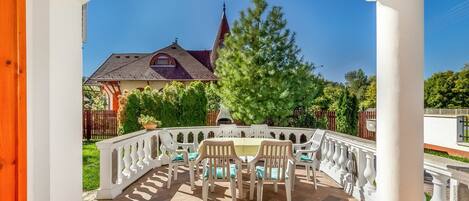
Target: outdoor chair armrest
{"x": 190, "y": 146}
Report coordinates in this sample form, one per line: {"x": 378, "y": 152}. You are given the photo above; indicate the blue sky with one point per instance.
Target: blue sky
{"x": 338, "y": 34}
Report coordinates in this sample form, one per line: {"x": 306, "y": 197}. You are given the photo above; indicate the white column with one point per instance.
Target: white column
{"x": 54, "y": 79}
{"x": 400, "y": 99}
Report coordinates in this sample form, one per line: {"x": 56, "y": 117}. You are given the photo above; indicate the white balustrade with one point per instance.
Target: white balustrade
{"x": 349, "y": 160}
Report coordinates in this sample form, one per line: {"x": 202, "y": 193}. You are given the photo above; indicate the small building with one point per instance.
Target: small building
{"x": 128, "y": 71}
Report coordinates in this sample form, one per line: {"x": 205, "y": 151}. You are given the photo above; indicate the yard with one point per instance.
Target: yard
{"x": 90, "y": 166}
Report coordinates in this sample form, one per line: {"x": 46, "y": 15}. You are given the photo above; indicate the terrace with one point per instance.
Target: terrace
{"x": 346, "y": 168}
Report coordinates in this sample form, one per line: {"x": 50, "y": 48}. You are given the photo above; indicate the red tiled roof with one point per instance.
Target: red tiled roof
{"x": 187, "y": 68}
{"x": 203, "y": 56}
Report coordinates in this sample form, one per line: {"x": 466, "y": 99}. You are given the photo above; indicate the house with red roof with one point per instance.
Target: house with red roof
{"x": 128, "y": 71}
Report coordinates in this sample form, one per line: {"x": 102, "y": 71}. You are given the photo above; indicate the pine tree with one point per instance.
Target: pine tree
{"x": 262, "y": 76}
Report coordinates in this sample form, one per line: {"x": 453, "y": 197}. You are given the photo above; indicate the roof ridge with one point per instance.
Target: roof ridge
{"x": 149, "y": 54}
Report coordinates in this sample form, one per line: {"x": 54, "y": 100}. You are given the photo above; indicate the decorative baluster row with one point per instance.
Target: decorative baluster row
{"x": 338, "y": 161}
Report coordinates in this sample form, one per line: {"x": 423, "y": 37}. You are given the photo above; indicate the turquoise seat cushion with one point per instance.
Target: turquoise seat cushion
{"x": 192, "y": 156}
{"x": 219, "y": 172}
{"x": 305, "y": 158}
{"x": 260, "y": 172}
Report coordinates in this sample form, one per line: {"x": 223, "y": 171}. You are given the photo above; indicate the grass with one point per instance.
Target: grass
{"x": 428, "y": 197}
{"x": 90, "y": 166}
{"x": 446, "y": 155}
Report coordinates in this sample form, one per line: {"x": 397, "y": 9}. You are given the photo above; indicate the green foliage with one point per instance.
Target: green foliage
{"x": 131, "y": 113}
{"x": 212, "y": 97}
{"x": 90, "y": 166}
{"x": 146, "y": 119}
{"x": 328, "y": 100}
{"x": 193, "y": 100}
{"x": 370, "y": 95}
{"x": 347, "y": 114}
{"x": 448, "y": 89}
{"x": 262, "y": 76}
{"x": 93, "y": 98}
{"x": 308, "y": 120}
{"x": 357, "y": 82}
{"x": 175, "y": 105}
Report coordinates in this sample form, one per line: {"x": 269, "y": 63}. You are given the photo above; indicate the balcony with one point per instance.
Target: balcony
{"x": 347, "y": 168}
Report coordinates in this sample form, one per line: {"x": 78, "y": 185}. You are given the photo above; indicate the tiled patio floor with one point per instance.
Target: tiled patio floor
{"x": 152, "y": 186}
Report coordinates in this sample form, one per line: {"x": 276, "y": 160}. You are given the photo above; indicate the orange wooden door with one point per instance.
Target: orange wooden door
{"x": 12, "y": 100}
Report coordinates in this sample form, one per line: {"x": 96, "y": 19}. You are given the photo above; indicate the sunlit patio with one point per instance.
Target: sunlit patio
{"x": 345, "y": 167}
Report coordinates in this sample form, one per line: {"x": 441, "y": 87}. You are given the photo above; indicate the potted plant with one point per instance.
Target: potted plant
{"x": 149, "y": 122}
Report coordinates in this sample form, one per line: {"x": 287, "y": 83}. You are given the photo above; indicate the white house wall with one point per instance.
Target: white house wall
{"x": 442, "y": 130}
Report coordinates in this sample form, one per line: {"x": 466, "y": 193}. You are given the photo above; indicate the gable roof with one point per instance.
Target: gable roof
{"x": 188, "y": 67}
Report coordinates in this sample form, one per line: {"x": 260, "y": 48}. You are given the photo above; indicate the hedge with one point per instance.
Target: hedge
{"x": 175, "y": 105}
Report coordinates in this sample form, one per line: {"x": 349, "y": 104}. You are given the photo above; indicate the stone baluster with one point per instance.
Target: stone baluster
{"x": 336, "y": 156}
{"x": 439, "y": 186}
{"x": 120, "y": 164}
{"x": 127, "y": 161}
{"x": 298, "y": 138}
{"x": 324, "y": 150}
{"x": 453, "y": 189}
{"x": 140, "y": 153}
{"x": 361, "y": 165}
{"x": 348, "y": 177}
{"x": 343, "y": 159}
{"x": 370, "y": 173}
{"x": 185, "y": 137}
{"x": 330, "y": 154}
{"x": 133, "y": 156}
{"x": 147, "y": 150}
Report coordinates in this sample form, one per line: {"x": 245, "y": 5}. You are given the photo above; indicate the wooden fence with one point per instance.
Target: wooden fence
{"x": 362, "y": 131}
{"x": 102, "y": 124}
{"x": 99, "y": 124}
{"x": 330, "y": 115}
{"x": 212, "y": 118}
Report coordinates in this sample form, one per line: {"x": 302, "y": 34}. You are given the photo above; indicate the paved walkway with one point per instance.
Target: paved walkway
{"x": 152, "y": 186}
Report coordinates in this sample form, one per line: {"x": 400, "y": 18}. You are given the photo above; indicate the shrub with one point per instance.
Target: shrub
{"x": 213, "y": 99}
{"x": 131, "y": 113}
{"x": 347, "y": 113}
{"x": 175, "y": 105}
{"x": 192, "y": 102}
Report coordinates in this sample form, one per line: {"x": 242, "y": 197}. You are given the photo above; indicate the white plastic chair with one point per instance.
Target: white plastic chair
{"x": 220, "y": 164}
{"x": 305, "y": 154}
{"x": 259, "y": 131}
{"x": 227, "y": 131}
{"x": 279, "y": 166}
{"x": 185, "y": 156}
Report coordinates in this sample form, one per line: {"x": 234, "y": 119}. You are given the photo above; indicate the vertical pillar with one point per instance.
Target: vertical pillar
{"x": 400, "y": 55}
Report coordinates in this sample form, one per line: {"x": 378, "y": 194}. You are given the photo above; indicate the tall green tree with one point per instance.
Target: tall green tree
{"x": 357, "y": 82}
{"x": 439, "y": 90}
{"x": 262, "y": 76}
{"x": 347, "y": 114}
{"x": 369, "y": 100}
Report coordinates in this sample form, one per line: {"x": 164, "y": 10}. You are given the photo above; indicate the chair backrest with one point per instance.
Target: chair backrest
{"x": 167, "y": 140}
{"x": 317, "y": 139}
{"x": 276, "y": 156}
{"x": 259, "y": 131}
{"x": 218, "y": 156}
{"x": 227, "y": 130}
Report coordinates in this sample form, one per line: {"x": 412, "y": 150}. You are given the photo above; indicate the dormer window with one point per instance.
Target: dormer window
{"x": 162, "y": 60}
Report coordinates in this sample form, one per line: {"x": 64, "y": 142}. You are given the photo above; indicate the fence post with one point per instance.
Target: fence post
{"x": 89, "y": 124}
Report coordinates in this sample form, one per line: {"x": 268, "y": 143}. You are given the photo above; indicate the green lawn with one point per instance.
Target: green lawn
{"x": 90, "y": 166}
{"x": 446, "y": 155}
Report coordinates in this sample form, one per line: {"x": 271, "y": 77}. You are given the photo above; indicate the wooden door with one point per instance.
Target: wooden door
{"x": 12, "y": 100}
